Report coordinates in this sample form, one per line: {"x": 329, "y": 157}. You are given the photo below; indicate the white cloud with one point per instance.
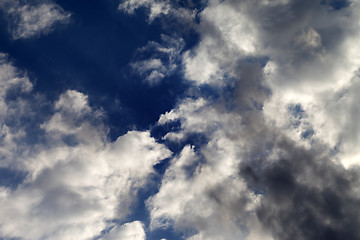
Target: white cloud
{"x": 157, "y": 9}
{"x": 27, "y": 21}
{"x": 11, "y": 79}
{"x": 76, "y": 179}
{"x": 128, "y": 231}
{"x": 309, "y": 83}
{"x": 215, "y": 200}
{"x": 163, "y": 61}
{"x": 312, "y": 59}
{"x": 227, "y": 35}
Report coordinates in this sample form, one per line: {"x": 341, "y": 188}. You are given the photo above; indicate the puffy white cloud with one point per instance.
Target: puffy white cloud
{"x": 27, "y": 20}
{"x": 76, "y": 179}
{"x": 311, "y": 56}
{"x": 227, "y": 35}
{"x": 215, "y": 200}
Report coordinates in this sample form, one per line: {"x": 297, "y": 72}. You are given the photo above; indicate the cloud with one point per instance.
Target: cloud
{"x": 131, "y": 231}
{"x": 216, "y": 204}
{"x": 274, "y": 101}
{"x": 159, "y": 9}
{"x": 163, "y": 61}
{"x": 12, "y": 82}
{"x": 76, "y": 180}
{"x": 278, "y": 158}
{"x": 302, "y": 196}
{"x": 28, "y": 21}
{"x": 156, "y": 8}
{"x": 309, "y": 53}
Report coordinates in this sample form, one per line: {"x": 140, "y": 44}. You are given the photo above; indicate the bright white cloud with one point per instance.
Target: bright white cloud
{"x": 76, "y": 179}
{"x": 215, "y": 201}
{"x": 27, "y": 21}
{"x": 129, "y": 231}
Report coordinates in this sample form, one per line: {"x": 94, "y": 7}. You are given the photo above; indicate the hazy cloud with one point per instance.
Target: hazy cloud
{"x": 27, "y": 20}
{"x": 163, "y": 61}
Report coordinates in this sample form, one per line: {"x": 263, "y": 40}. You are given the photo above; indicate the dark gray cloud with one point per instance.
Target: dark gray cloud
{"x": 306, "y": 196}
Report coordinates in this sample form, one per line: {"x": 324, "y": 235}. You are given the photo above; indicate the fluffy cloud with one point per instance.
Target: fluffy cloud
{"x": 249, "y": 180}
{"x": 217, "y": 202}
{"x": 76, "y": 179}
{"x": 278, "y": 159}
{"x": 309, "y": 50}
{"x": 277, "y": 155}
{"x": 27, "y": 20}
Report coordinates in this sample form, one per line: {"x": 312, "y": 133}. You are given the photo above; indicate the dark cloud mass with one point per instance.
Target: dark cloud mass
{"x": 306, "y": 196}
{"x": 166, "y": 120}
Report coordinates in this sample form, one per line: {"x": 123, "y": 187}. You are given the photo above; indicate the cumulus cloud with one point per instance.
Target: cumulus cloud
{"x": 218, "y": 204}
{"x": 278, "y": 159}
{"x": 76, "y": 180}
{"x": 26, "y": 20}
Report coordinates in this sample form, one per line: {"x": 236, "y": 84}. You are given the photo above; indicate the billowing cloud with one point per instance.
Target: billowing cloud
{"x": 26, "y": 20}
{"x": 278, "y": 157}
{"x": 76, "y": 180}
{"x": 267, "y": 133}
{"x": 218, "y": 203}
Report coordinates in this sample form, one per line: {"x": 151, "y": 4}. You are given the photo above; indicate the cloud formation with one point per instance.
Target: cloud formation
{"x": 76, "y": 180}
{"x": 278, "y": 159}
{"x": 28, "y": 20}
{"x": 265, "y": 140}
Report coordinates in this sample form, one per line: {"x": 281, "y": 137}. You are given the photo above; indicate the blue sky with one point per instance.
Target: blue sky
{"x": 167, "y": 120}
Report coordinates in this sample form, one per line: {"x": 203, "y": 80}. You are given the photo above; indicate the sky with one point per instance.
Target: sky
{"x": 179, "y": 119}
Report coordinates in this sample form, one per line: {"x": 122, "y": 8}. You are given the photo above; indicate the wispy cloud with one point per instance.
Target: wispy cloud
{"x": 164, "y": 59}
{"x": 31, "y": 20}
